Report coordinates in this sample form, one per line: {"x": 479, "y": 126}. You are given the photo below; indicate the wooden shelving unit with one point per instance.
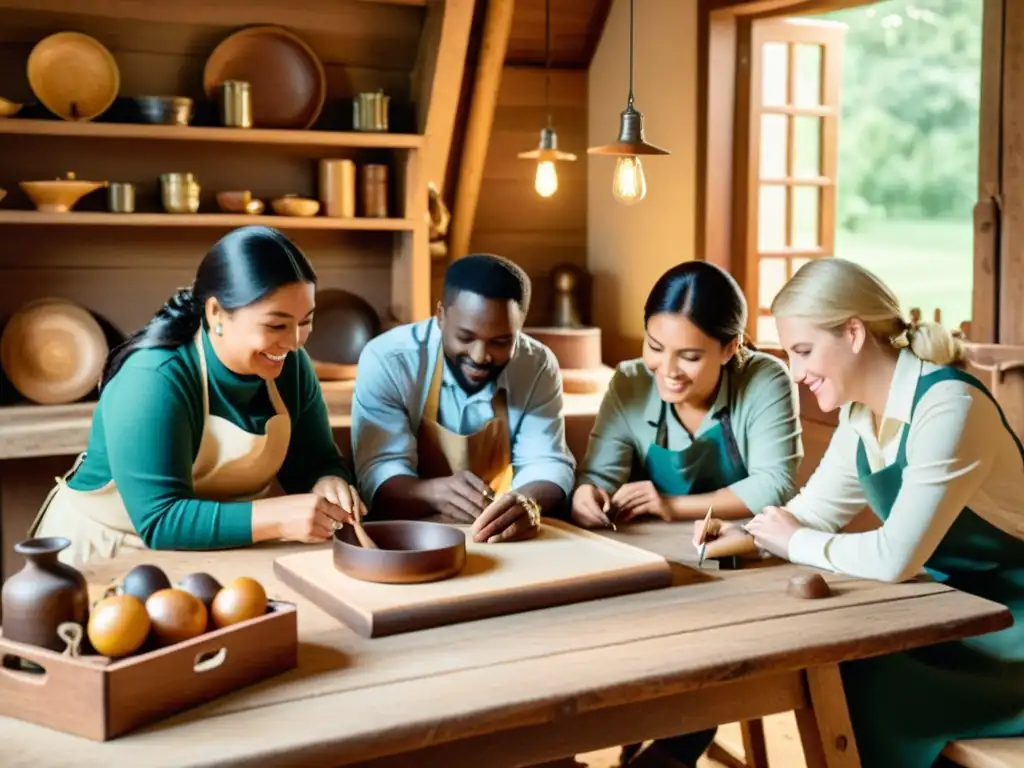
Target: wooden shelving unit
{"x": 212, "y": 220}
{"x": 313, "y": 139}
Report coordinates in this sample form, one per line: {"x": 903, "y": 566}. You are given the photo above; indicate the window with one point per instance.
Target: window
{"x": 795, "y": 73}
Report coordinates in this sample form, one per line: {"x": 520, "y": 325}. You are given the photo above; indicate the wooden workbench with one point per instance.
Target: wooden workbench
{"x": 717, "y": 647}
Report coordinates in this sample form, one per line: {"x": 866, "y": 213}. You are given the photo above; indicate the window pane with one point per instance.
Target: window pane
{"x": 808, "y": 73}
{"x": 807, "y": 147}
{"x": 771, "y": 278}
{"x": 771, "y": 218}
{"x": 766, "y": 330}
{"x": 806, "y": 217}
{"x": 797, "y": 263}
{"x": 774, "y": 74}
{"x": 774, "y": 146}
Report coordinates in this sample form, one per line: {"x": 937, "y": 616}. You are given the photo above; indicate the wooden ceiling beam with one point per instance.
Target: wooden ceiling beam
{"x": 437, "y": 81}
{"x": 494, "y": 47}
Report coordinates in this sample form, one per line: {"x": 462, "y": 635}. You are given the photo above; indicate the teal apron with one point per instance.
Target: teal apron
{"x": 906, "y": 707}
{"x": 711, "y": 462}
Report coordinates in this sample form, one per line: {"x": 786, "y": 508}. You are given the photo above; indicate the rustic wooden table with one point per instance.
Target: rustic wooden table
{"x": 716, "y": 647}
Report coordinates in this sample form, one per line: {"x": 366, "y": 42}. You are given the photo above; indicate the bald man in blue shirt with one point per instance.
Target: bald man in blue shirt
{"x": 461, "y": 415}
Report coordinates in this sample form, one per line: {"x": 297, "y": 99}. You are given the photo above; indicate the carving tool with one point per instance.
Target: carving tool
{"x": 704, "y": 538}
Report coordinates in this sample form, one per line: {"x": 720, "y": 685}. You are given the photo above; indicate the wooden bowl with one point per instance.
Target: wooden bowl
{"x": 287, "y": 79}
{"x": 53, "y": 351}
{"x": 410, "y": 552}
{"x": 234, "y": 201}
{"x": 73, "y": 75}
{"x": 58, "y": 195}
{"x": 345, "y": 322}
{"x": 290, "y": 205}
{"x": 9, "y": 108}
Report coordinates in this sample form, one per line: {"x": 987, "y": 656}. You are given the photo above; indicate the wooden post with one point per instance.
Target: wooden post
{"x": 497, "y": 27}
{"x": 437, "y": 81}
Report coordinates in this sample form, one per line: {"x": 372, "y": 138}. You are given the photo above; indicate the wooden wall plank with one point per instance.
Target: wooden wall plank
{"x": 511, "y": 218}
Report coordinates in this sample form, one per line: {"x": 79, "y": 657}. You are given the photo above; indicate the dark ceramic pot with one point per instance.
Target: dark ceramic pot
{"x": 410, "y": 551}
{"x": 43, "y": 595}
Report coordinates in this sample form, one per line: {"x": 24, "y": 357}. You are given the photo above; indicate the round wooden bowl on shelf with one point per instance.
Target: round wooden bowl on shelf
{"x": 345, "y": 323}
{"x": 73, "y": 75}
{"x": 289, "y": 86}
{"x": 53, "y": 351}
{"x": 9, "y": 108}
{"x": 291, "y": 205}
{"x": 58, "y": 195}
{"x": 409, "y": 552}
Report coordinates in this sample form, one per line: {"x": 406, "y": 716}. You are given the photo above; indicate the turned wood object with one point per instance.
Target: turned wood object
{"x": 808, "y": 586}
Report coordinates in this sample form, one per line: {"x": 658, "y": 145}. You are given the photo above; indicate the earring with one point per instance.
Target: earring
{"x": 219, "y": 329}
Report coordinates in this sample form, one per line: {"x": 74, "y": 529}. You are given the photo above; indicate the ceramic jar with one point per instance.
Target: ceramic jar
{"x": 43, "y": 595}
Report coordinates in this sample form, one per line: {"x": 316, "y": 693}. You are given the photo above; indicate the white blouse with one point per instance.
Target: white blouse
{"x": 959, "y": 454}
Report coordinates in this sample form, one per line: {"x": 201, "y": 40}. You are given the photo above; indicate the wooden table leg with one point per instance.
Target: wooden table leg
{"x": 825, "y": 729}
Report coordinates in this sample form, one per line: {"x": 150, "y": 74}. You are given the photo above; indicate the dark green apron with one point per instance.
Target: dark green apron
{"x": 711, "y": 462}
{"x": 906, "y": 707}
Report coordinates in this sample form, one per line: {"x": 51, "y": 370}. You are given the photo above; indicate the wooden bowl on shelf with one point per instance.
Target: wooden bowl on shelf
{"x": 52, "y": 351}
{"x": 410, "y": 552}
{"x": 292, "y": 205}
{"x": 9, "y": 108}
{"x": 73, "y": 75}
{"x": 58, "y": 195}
{"x": 234, "y": 201}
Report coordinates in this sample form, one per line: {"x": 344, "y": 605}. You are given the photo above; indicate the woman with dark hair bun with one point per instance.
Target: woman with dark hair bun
{"x": 202, "y": 410}
{"x": 700, "y": 420}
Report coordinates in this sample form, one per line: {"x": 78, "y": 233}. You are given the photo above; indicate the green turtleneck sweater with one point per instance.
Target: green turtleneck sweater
{"x": 147, "y": 427}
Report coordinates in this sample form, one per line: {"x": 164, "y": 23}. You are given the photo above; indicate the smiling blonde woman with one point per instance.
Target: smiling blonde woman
{"x": 925, "y": 445}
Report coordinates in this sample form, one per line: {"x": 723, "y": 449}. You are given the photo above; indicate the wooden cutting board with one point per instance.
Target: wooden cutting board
{"x": 564, "y": 564}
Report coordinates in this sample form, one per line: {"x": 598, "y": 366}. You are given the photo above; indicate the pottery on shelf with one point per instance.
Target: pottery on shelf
{"x": 58, "y": 195}
{"x": 43, "y": 595}
{"x": 9, "y": 108}
{"x": 291, "y": 205}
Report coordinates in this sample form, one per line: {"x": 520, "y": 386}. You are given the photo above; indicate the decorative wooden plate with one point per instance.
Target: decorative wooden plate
{"x": 73, "y": 75}
{"x": 342, "y": 325}
{"x": 286, "y": 78}
{"x": 53, "y": 351}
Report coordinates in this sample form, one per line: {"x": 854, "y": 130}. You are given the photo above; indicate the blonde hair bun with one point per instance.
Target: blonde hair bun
{"x": 832, "y": 291}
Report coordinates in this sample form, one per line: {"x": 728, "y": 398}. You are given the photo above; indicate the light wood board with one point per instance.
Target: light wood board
{"x": 563, "y": 564}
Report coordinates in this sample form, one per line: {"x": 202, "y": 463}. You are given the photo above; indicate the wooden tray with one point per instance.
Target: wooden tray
{"x": 564, "y": 564}
{"x": 101, "y": 699}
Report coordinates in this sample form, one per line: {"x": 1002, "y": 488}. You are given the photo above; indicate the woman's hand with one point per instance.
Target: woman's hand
{"x": 590, "y": 507}
{"x": 773, "y": 529}
{"x": 305, "y": 517}
{"x": 341, "y": 494}
{"x": 640, "y": 498}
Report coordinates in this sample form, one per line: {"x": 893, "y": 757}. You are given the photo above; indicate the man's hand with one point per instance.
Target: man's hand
{"x": 460, "y": 498}
{"x": 513, "y": 517}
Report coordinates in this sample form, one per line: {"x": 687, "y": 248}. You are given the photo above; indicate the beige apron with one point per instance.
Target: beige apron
{"x": 231, "y": 465}
{"x": 487, "y": 453}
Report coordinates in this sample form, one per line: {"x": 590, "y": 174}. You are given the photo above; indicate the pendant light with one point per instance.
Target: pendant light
{"x": 628, "y": 183}
{"x": 547, "y": 153}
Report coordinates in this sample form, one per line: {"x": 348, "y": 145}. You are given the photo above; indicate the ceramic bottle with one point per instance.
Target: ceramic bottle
{"x": 43, "y": 595}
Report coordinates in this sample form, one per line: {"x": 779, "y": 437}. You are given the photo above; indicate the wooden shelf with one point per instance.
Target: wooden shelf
{"x": 223, "y": 220}
{"x": 28, "y": 431}
{"x": 253, "y": 136}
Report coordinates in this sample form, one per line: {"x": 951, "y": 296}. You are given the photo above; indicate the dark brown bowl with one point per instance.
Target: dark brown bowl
{"x": 410, "y": 551}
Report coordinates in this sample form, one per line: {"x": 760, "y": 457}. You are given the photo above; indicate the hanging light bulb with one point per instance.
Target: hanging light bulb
{"x": 547, "y": 153}
{"x": 546, "y": 180}
{"x": 628, "y": 183}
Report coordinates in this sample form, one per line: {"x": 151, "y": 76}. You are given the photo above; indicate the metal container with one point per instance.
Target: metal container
{"x": 121, "y": 197}
{"x": 236, "y": 104}
{"x": 179, "y": 192}
{"x": 370, "y": 112}
{"x": 165, "y": 110}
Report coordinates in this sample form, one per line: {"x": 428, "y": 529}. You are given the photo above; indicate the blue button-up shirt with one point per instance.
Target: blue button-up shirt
{"x": 391, "y": 390}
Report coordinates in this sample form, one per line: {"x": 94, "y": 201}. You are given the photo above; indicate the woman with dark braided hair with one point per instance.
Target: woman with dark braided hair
{"x": 201, "y": 410}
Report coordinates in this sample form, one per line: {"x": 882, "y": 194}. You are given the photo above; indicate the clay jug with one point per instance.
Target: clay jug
{"x": 43, "y": 595}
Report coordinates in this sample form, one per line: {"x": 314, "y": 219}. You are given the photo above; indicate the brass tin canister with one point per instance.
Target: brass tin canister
{"x": 236, "y": 104}
{"x": 121, "y": 197}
